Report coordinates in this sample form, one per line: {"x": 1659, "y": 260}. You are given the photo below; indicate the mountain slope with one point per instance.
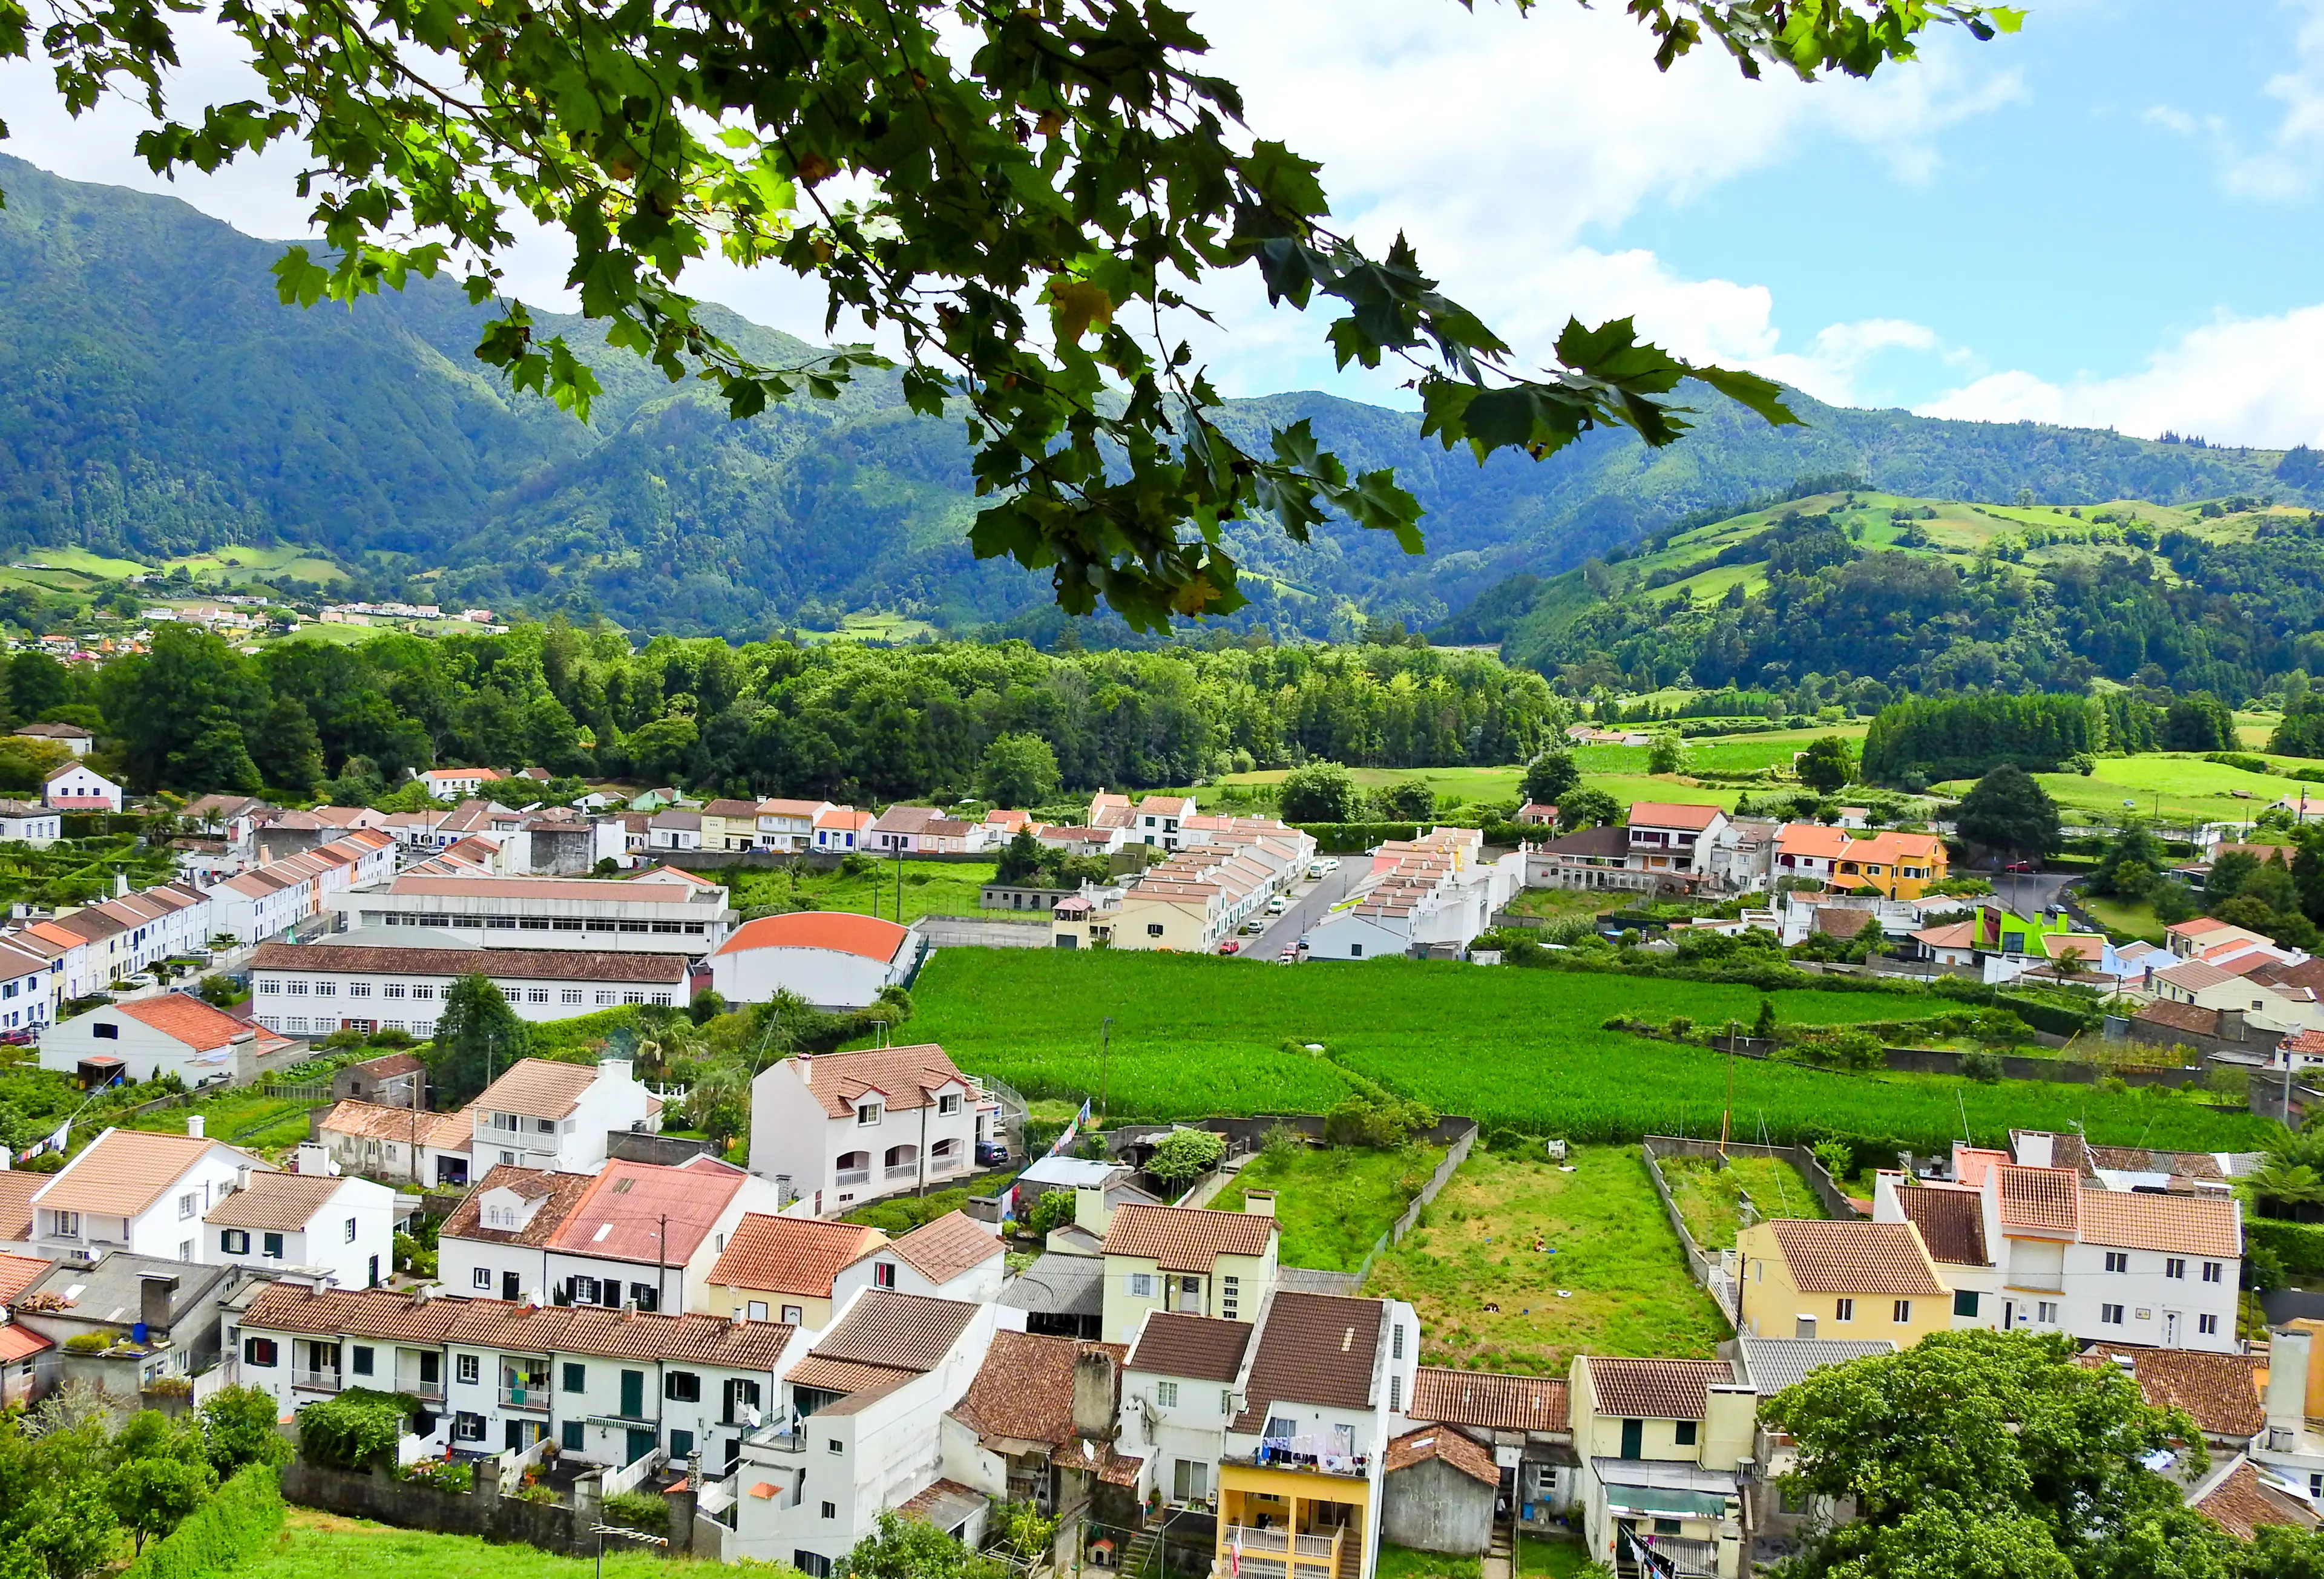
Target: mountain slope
{"x": 156, "y": 398}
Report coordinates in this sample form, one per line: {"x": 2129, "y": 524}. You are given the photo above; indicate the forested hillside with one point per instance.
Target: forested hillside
{"x": 156, "y": 398}
{"x": 1928, "y": 596}
{"x": 838, "y": 720}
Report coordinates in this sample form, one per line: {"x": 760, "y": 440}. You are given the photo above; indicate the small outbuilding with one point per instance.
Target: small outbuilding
{"x": 1439, "y": 1492}
{"x": 831, "y": 958}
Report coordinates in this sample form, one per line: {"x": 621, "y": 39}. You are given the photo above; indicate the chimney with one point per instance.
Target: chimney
{"x": 629, "y": 1310}
{"x": 1097, "y": 1392}
{"x": 120, "y": 884}
{"x": 615, "y": 1066}
{"x": 153, "y": 1291}
{"x": 2034, "y": 1150}
{"x": 313, "y": 1160}
{"x": 242, "y": 1176}
{"x": 1258, "y": 1202}
{"x": 1806, "y": 1327}
{"x": 806, "y": 1062}
{"x": 2231, "y": 1026}
{"x": 194, "y": 1125}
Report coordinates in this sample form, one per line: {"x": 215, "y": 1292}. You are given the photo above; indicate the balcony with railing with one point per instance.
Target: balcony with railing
{"x": 901, "y": 1170}
{"x": 426, "y": 1392}
{"x": 534, "y": 1399}
{"x": 1275, "y": 1553}
{"x": 2037, "y": 1282}
{"x": 852, "y": 1176}
{"x": 315, "y": 1381}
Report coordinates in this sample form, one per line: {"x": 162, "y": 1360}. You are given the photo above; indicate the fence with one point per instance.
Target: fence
{"x": 1714, "y": 1278}
{"x": 1946, "y": 1061}
{"x": 315, "y": 1092}
{"x": 1454, "y": 1156}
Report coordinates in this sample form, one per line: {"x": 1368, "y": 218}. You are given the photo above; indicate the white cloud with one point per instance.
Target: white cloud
{"x": 2248, "y": 380}
{"x": 2283, "y": 162}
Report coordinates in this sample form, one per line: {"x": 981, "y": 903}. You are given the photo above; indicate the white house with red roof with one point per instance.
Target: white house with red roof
{"x": 174, "y": 1034}
{"x": 454, "y": 783}
{"x": 1673, "y": 836}
{"x": 841, "y": 829}
{"x": 831, "y": 958}
{"x": 650, "y": 1235}
{"x": 78, "y": 787}
{"x": 846, "y": 1127}
{"x": 788, "y": 826}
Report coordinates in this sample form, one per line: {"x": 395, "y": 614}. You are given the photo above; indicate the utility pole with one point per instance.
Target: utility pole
{"x": 1727, "y": 1112}
{"x": 1104, "y": 1059}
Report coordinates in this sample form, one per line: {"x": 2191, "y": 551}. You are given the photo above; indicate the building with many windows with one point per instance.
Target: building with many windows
{"x": 843, "y": 1129}
{"x": 314, "y": 988}
{"x": 637, "y": 916}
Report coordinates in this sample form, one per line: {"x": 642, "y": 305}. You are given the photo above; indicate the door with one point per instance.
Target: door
{"x": 638, "y": 1444}
{"x": 2170, "y": 1329}
{"x": 1634, "y": 1439}
{"x": 509, "y": 1288}
{"x": 633, "y": 1396}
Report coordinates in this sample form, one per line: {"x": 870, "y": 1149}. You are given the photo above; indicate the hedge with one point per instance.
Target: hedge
{"x": 2054, "y": 1018}
{"x": 2300, "y": 1246}
{"x": 242, "y": 1518}
{"x": 1348, "y": 838}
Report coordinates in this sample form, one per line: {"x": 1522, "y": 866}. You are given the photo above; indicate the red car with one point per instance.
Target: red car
{"x": 2019, "y": 866}
{"x": 1231, "y": 947}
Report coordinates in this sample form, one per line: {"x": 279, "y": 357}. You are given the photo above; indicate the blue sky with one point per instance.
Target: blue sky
{"x": 2113, "y": 218}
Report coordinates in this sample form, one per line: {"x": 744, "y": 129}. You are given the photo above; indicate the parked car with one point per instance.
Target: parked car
{"x": 1288, "y": 956}
{"x": 991, "y": 1154}
{"x": 1231, "y": 947}
{"x": 2019, "y": 866}
{"x": 1278, "y": 905}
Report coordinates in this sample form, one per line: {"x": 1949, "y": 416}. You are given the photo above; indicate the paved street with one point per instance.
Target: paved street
{"x": 1309, "y": 902}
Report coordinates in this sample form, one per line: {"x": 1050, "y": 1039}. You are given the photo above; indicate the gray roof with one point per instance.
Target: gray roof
{"x": 1773, "y": 1364}
{"x": 1059, "y": 1285}
{"x": 112, "y": 1291}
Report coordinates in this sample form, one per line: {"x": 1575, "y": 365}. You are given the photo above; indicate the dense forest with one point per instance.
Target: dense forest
{"x": 2238, "y": 617}
{"x": 835, "y": 720}
{"x": 156, "y": 398}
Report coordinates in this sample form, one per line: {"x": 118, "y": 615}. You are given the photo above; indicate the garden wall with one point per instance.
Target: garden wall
{"x": 1834, "y": 1199}
{"x": 553, "y": 1527}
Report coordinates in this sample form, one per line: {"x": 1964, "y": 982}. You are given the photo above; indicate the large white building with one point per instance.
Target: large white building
{"x": 137, "y": 1191}
{"x": 270, "y": 899}
{"x": 175, "y": 1033}
{"x": 1437, "y": 891}
{"x": 832, "y": 959}
{"x": 356, "y": 979}
{"x": 843, "y": 1129}
{"x": 644, "y": 915}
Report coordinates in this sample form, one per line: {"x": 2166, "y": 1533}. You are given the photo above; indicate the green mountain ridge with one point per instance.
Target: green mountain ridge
{"x": 156, "y": 398}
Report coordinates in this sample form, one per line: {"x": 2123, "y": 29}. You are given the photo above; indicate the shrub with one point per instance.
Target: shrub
{"x": 1980, "y": 1065}
{"x": 1184, "y": 1155}
{"x": 354, "y": 1430}
{"x": 88, "y": 1343}
{"x": 1054, "y": 1210}
{"x": 232, "y": 1526}
{"x": 1837, "y": 1160}
{"x": 443, "y": 1473}
{"x": 647, "y": 1512}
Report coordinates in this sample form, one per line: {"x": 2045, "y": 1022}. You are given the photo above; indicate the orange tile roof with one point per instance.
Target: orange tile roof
{"x": 18, "y": 1273}
{"x": 791, "y": 1255}
{"x": 1656, "y": 1390}
{"x": 2241, "y": 1503}
{"x": 639, "y": 1212}
{"x": 565, "y": 1191}
{"x": 902, "y": 1332}
{"x": 1185, "y": 1239}
{"x": 1669, "y": 814}
{"x": 2046, "y": 1198}
{"x": 943, "y": 1248}
{"x": 838, "y": 931}
{"x": 525, "y": 1329}
{"x": 1025, "y": 1388}
{"x": 2222, "y": 1393}
{"x": 540, "y": 1087}
{"x": 275, "y": 1200}
{"x": 2199, "y": 1225}
{"x": 1443, "y": 1443}
{"x": 902, "y": 1077}
{"x": 377, "y": 1122}
{"x": 185, "y": 1018}
{"x": 124, "y": 1171}
{"x": 1856, "y": 1258}
{"x": 1812, "y": 839}
{"x": 1488, "y": 1399}
{"x": 16, "y": 1188}
{"x": 18, "y": 1343}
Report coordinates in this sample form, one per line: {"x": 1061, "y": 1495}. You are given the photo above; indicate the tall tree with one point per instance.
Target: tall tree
{"x": 477, "y": 1037}
{"x": 1001, "y": 165}
{"x": 289, "y": 751}
{"x": 168, "y": 706}
{"x": 1550, "y": 776}
{"x": 1018, "y": 770}
{"x": 1826, "y": 765}
{"x": 2009, "y": 814}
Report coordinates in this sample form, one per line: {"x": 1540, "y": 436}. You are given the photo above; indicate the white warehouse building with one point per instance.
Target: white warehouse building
{"x": 356, "y": 982}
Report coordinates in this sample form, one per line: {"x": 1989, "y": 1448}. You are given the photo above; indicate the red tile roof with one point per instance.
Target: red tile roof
{"x": 837, "y": 931}
{"x": 791, "y": 1255}
{"x": 1489, "y": 1401}
{"x": 1186, "y": 1239}
{"x": 942, "y": 1249}
{"x": 1666, "y": 814}
{"x": 525, "y": 1329}
{"x": 1312, "y": 1349}
{"x": 1025, "y": 1387}
{"x": 1856, "y": 1258}
{"x": 186, "y": 1019}
{"x": 2221, "y": 1391}
{"x": 1446, "y": 1444}
{"x": 901, "y": 1332}
{"x": 1201, "y": 1348}
{"x": 2040, "y": 1198}
{"x": 901, "y": 1076}
{"x": 639, "y": 1212}
{"x": 2242, "y": 1502}
{"x": 1656, "y": 1390}
{"x": 18, "y": 1273}
{"x": 18, "y": 1343}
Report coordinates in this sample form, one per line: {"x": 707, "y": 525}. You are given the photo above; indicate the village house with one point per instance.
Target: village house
{"x": 1661, "y": 1442}
{"x": 731, "y": 826}
{"x": 24, "y": 823}
{"x": 544, "y": 1113}
{"x": 635, "y": 916}
{"x": 137, "y": 1191}
{"x": 338, "y": 1228}
{"x": 783, "y": 1268}
{"x": 649, "y": 1235}
{"x": 1430, "y": 894}
{"x": 158, "y": 1317}
{"x": 842, "y": 829}
{"x": 1038, "y": 1424}
{"x": 457, "y": 783}
{"x": 1847, "y": 1279}
{"x": 1179, "y": 1393}
{"x": 850, "y": 1434}
{"x": 359, "y": 981}
{"x": 787, "y": 826}
{"x": 401, "y": 1142}
{"x": 608, "y": 1387}
{"x": 175, "y": 1033}
{"x": 495, "y": 1243}
{"x": 1187, "y": 1260}
{"x": 842, "y": 1129}
{"x": 1528, "y": 1416}
{"x": 77, "y": 787}
{"x": 71, "y": 736}
{"x": 951, "y": 1257}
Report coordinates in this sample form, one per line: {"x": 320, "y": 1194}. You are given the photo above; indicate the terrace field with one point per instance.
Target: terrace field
{"x": 1711, "y": 1198}
{"x": 323, "y": 1546}
{"x": 1609, "y": 1276}
{"x": 1333, "y": 1203}
{"x": 1523, "y": 1049}
{"x": 930, "y": 888}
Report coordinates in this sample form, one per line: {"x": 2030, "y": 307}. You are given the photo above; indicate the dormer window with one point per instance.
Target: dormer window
{"x": 948, "y": 1105}
{"x": 869, "y": 1114}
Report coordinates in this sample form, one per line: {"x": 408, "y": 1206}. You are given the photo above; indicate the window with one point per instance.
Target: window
{"x": 1166, "y": 1393}
{"x": 1190, "y": 1480}
{"x": 1395, "y": 1394}
{"x": 1396, "y": 1342}
{"x": 467, "y": 1428}
{"x": 645, "y": 1296}
{"x": 468, "y": 1368}
{"x": 272, "y": 1247}
{"x": 482, "y": 1277}
{"x": 576, "y": 1376}
{"x": 423, "y": 990}
{"x": 1230, "y": 1298}
{"x": 583, "y": 1290}
{"x": 948, "y": 1105}
{"x": 869, "y": 1114}
{"x": 832, "y": 1444}
{"x": 1281, "y": 1427}
{"x": 2045, "y": 1311}
{"x": 296, "y": 989}
{"x": 68, "y": 1226}
{"x": 351, "y": 1230}
{"x": 814, "y": 1564}
{"x": 327, "y": 989}
{"x": 1903, "y": 1312}
{"x": 358, "y": 989}
{"x": 605, "y": 998}
{"x": 1226, "y": 1402}
{"x": 2208, "y": 1326}
{"x": 570, "y": 1437}
{"x": 2117, "y": 1260}
{"x": 1154, "y": 928}
{"x": 831, "y": 1510}
{"x": 2174, "y": 1267}
{"x": 258, "y": 1352}
{"x": 359, "y": 1359}
{"x": 1965, "y": 1302}
{"x": 682, "y": 1386}
{"x": 2210, "y": 1271}
{"x": 1666, "y": 1527}
{"x": 110, "y": 1033}
{"x": 234, "y": 1242}
{"x": 1843, "y": 1310}
{"x": 188, "y": 1204}
{"x": 544, "y": 1126}
{"x": 536, "y": 995}
{"x": 570, "y": 995}
{"x": 270, "y": 986}
{"x": 681, "y": 1443}
{"x": 1141, "y": 1285}
{"x": 883, "y": 1274}
{"x": 796, "y": 1315}
{"x": 633, "y": 997}
{"x": 1684, "y": 1433}
{"x": 2111, "y": 1315}
{"x": 1355, "y": 951}
{"x": 393, "y": 989}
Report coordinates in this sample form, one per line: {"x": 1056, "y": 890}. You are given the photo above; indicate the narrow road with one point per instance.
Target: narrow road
{"x": 1309, "y": 902}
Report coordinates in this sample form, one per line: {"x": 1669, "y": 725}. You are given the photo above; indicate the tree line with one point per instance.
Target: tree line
{"x": 307, "y": 718}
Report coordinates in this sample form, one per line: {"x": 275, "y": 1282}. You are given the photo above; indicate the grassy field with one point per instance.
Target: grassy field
{"x": 1333, "y": 1204}
{"x": 2177, "y": 787}
{"x": 1554, "y": 1559}
{"x": 2133, "y": 916}
{"x": 930, "y": 888}
{"x": 872, "y": 627}
{"x": 245, "y": 1118}
{"x": 1195, "y": 1035}
{"x": 1721, "y": 753}
{"x": 1710, "y": 1198}
{"x": 246, "y": 564}
{"x": 1610, "y": 1277}
{"x": 323, "y": 1545}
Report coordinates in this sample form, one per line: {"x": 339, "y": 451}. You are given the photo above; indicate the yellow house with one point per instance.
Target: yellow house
{"x": 730, "y": 825}
{"x": 1854, "y": 1280}
{"x": 1188, "y": 1260}
{"x": 1659, "y": 1441}
{"x": 780, "y": 1268}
